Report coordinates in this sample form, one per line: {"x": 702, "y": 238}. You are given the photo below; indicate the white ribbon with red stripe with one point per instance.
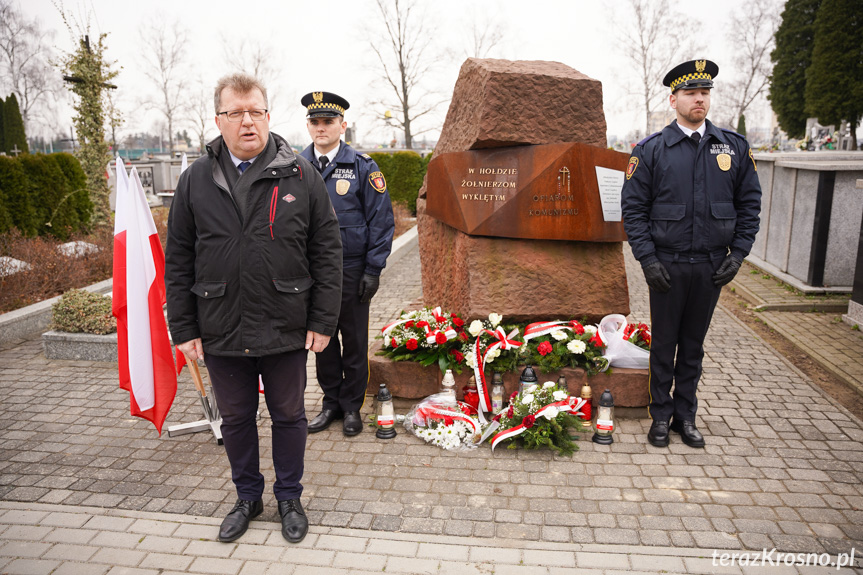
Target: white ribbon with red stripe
{"x": 431, "y": 334}
{"x": 504, "y": 342}
{"x": 570, "y": 404}
{"x": 440, "y": 413}
{"x": 543, "y": 328}
{"x": 385, "y": 331}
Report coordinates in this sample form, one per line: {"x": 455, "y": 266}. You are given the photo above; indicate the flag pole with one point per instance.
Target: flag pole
{"x": 212, "y": 420}
{"x": 199, "y": 385}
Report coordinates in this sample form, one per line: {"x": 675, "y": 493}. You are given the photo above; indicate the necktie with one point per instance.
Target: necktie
{"x": 243, "y": 165}
{"x": 696, "y": 136}
{"x": 324, "y": 161}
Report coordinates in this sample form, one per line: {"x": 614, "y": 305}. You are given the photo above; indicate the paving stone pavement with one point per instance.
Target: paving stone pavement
{"x": 812, "y": 323}
{"x": 783, "y": 468}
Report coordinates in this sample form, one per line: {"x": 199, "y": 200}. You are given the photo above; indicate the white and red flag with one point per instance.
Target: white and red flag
{"x": 143, "y": 349}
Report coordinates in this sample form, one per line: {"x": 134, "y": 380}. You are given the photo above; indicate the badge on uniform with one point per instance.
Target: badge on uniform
{"x": 376, "y": 179}
{"x": 288, "y": 198}
{"x": 342, "y": 187}
{"x": 630, "y": 169}
{"x": 724, "y": 161}
{"x": 751, "y": 157}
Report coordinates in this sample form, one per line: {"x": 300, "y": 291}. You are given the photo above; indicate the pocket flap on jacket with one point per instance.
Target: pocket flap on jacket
{"x": 351, "y": 219}
{"x": 723, "y": 210}
{"x": 209, "y": 290}
{"x": 672, "y": 212}
{"x": 294, "y": 285}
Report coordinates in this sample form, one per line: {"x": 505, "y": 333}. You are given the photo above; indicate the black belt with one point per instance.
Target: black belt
{"x": 690, "y": 257}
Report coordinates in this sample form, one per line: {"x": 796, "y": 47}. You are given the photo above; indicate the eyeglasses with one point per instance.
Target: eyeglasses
{"x": 237, "y": 115}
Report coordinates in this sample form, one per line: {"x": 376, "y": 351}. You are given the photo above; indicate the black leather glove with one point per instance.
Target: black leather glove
{"x": 657, "y": 277}
{"x": 368, "y": 287}
{"x": 727, "y": 271}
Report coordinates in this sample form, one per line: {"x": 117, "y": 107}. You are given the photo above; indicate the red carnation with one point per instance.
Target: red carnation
{"x": 497, "y": 417}
{"x": 463, "y": 336}
{"x": 544, "y": 348}
{"x": 394, "y": 343}
{"x": 459, "y": 356}
{"x": 422, "y": 324}
{"x": 576, "y": 327}
{"x": 440, "y": 338}
{"x": 528, "y": 421}
{"x": 596, "y": 341}
{"x": 411, "y": 344}
{"x": 513, "y": 396}
{"x": 410, "y": 323}
{"x": 645, "y": 337}
{"x": 457, "y": 321}
{"x": 510, "y": 412}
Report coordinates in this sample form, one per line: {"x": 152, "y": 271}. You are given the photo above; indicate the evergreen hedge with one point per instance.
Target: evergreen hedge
{"x": 43, "y": 195}
{"x": 404, "y": 172}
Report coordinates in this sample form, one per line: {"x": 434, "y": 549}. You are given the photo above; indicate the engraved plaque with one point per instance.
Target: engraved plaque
{"x": 550, "y": 192}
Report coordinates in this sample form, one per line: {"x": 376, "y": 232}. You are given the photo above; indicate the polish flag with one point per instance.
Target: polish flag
{"x": 143, "y": 349}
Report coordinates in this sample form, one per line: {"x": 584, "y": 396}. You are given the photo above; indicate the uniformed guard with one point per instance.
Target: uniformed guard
{"x": 359, "y": 195}
{"x": 691, "y": 203}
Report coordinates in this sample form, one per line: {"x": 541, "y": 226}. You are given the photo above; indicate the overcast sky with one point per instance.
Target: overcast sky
{"x": 323, "y": 45}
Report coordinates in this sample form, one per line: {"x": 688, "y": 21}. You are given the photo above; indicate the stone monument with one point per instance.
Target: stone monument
{"x": 519, "y": 212}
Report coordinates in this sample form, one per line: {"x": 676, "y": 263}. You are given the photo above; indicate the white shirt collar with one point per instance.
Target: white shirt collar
{"x": 330, "y": 155}
{"x": 237, "y": 160}
{"x": 701, "y": 129}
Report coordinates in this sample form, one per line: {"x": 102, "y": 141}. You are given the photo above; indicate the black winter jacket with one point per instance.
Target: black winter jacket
{"x": 252, "y": 285}
{"x": 683, "y": 200}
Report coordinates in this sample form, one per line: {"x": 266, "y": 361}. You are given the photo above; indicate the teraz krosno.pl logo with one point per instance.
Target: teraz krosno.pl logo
{"x": 774, "y": 558}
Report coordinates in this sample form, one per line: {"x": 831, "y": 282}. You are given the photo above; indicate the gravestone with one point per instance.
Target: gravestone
{"x": 531, "y": 232}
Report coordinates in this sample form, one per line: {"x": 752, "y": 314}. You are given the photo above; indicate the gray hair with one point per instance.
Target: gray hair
{"x": 239, "y": 83}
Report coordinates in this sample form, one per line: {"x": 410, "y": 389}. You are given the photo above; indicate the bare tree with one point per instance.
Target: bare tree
{"x": 25, "y": 67}
{"x": 403, "y": 52}
{"x": 752, "y": 34}
{"x": 164, "y": 66}
{"x": 486, "y": 33}
{"x": 655, "y": 39}
{"x": 202, "y": 112}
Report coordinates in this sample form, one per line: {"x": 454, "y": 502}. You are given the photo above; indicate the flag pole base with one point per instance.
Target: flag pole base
{"x": 197, "y": 426}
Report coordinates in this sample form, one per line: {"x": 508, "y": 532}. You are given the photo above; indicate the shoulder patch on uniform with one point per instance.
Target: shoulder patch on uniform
{"x": 376, "y": 179}
{"x": 630, "y": 169}
{"x": 648, "y": 138}
{"x": 366, "y": 156}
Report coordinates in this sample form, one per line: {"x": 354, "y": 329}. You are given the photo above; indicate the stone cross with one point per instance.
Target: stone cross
{"x": 15, "y": 150}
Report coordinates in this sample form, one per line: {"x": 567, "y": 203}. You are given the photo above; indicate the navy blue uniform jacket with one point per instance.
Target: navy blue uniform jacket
{"x": 364, "y": 211}
{"x": 677, "y": 199}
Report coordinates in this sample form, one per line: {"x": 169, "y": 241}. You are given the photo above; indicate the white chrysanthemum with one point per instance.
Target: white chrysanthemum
{"x": 559, "y": 395}
{"x": 528, "y": 397}
{"x": 550, "y": 412}
{"x": 531, "y": 389}
{"x": 576, "y": 346}
{"x": 559, "y": 335}
{"x": 548, "y": 384}
{"x": 590, "y": 329}
{"x": 495, "y": 319}
{"x": 475, "y": 327}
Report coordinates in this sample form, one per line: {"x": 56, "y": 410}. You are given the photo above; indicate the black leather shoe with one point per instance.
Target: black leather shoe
{"x": 688, "y": 433}
{"x": 658, "y": 434}
{"x": 237, "y": 521}
{"x": 295, "y": 525}
{"x": 352, "y": 424}
{"x": 323, "y": 420}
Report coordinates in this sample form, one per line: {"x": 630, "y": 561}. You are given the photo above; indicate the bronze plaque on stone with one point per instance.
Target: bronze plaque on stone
{"x": 550, "y": 192}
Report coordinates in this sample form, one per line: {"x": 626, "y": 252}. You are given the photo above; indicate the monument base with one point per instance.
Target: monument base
{"x": 410, "y": 380}
{"x": 523, "y": 280}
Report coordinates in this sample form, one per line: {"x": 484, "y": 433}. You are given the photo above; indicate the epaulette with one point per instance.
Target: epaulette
{"x": 648, "y": 138}
{"x": 366, "y": 156}
{"x": 733, "y": 133}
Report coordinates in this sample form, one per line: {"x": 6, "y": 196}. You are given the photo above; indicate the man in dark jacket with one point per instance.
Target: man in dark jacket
{"x": 359, "y": 194}
{"x": 253, "y": 276}
{"x": 691, "y": 204}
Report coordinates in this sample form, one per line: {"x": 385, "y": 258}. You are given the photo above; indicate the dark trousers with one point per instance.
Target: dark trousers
{"x": 679, "y": 322}
{"x": 343, "y": 366}
{"x": 235, "y": 383}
